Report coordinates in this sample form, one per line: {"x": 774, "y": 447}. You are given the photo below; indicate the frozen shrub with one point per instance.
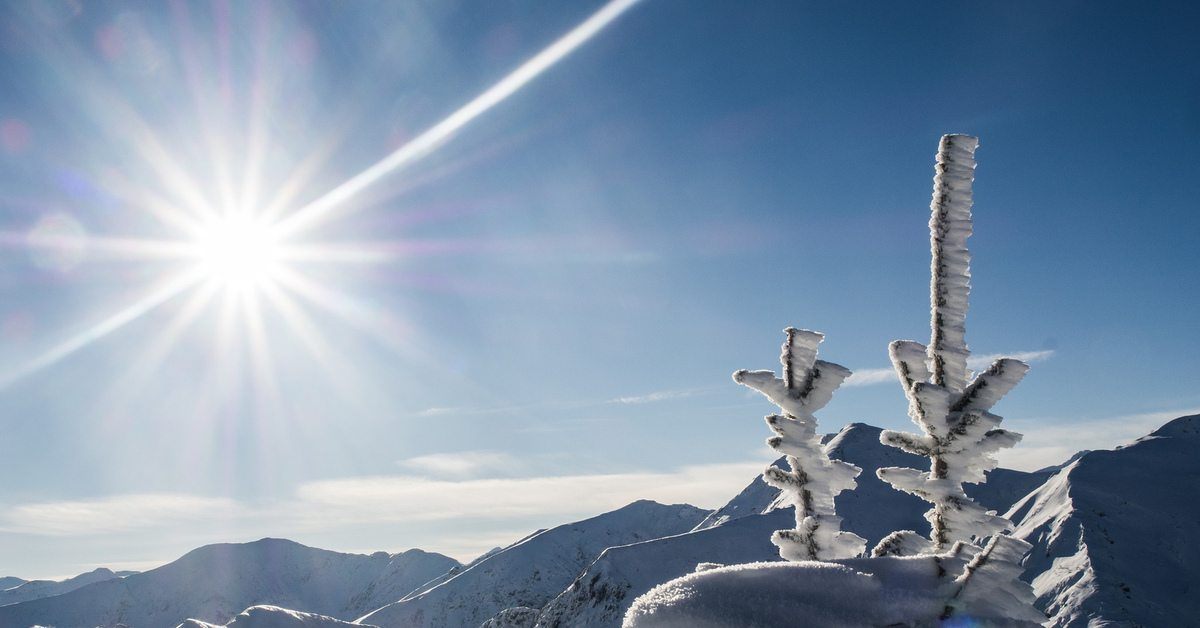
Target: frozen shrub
{"x": 814, "y": 480}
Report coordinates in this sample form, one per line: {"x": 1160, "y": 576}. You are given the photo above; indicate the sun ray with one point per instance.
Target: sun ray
{"x": 259, "y": 111}
{"x": 113, "y": 115}
{"x": 300, "y": 323}
{"x": 338, "y": 371}
{"x": 262, "y": 368}
{"x": 152, "y": 356}
{"x": 387, "y": 329}
{"x": 207, "y": 112}
{"x": 123, "y": 248}
{"x": 105, "y": 327}
{"x": 432, "y": 138}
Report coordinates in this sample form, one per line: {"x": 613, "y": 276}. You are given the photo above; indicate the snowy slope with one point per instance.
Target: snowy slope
{"x": 38, "y": 589}
{"x": 216, "y": 582}
{"x": 875, "y": 509}
{"x": 8, "y": 582}
{"x": 1116, "y": 534}
{"x": 601, "y": 595}
{"x": 533, "y": 571}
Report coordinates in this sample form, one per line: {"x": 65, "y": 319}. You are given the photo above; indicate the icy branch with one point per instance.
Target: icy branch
{"x": 949, "y": 228}
{"x": 813, "y": 480}
{"x": 959, "y": 433}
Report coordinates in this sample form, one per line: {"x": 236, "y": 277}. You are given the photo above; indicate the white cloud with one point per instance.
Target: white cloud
{"x": 980, "y": 362}
{"x": 333, "y": 505}
{"x": 868, "y": 377}
{"x": 464, "y": 463}
{"x": 655, "y": 396}
{"x": 1050, "y": 441}
{"x": 113, "y": 514}
{"x": 406, "y": 498}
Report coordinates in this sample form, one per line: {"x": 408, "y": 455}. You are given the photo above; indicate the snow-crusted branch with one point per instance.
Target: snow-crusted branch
{"x": 814, "y": 480}
{"x": 949, "y": 227}
{"x": 959, "y": 431}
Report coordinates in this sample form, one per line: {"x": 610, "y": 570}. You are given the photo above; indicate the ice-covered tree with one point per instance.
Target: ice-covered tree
{"x": 814, "y": 480}
{"x": 959, "y": 433}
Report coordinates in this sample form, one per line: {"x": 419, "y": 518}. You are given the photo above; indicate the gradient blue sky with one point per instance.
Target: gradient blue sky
{"x": 556, "y": 296}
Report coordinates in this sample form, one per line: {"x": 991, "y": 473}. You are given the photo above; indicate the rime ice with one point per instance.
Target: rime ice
{"x": 814, "y": 480}
{"x": 960, "y": 434}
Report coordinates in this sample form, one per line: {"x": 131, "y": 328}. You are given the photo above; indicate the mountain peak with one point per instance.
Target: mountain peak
{"x": 1183, "y": 427}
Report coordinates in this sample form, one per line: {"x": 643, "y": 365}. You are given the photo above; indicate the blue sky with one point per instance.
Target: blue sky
{"x": 537, "y": 320}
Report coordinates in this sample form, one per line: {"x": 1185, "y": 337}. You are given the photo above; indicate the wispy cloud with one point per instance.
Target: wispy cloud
{"x": 980, "y": 362}
{"x": 464, "y": 464}
{"x": 384, "y": 499}
{"x": 655, "y": 396}
{"x": 113, "y": 514}
{"x": 661, "y": 395}
{"x": 868, "y": 377}
{"x": 331, "y": 505}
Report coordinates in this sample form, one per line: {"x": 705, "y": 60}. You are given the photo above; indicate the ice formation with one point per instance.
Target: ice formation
{"x": 960, "y": 434}
{"x": 814, "y": 480}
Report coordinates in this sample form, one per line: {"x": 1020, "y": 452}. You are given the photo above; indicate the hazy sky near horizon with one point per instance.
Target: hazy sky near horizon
{"x": 536, "y": 320}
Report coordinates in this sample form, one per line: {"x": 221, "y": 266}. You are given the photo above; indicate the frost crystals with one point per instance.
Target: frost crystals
{"x": 806, "y": 386}
{"x": 959, "y": 433}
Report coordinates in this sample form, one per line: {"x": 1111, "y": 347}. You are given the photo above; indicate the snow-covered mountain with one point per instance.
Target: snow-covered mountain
{"x": 533, "y": 571}
{"x": 37, "y": 589}
{"x": 1116, "y": 534}
{"x": 216, "y": 582}
{"x": 603, "y": 592}
{"x": 8, "y": 582}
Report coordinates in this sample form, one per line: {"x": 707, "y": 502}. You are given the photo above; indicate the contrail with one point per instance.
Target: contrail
{"x": 105, "y": 327}
{"x": 424, "y": 143}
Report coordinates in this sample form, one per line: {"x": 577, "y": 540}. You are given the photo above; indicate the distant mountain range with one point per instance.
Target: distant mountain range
{"x": 1115, "y": 534}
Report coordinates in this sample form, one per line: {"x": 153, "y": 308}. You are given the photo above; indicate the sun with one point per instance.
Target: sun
{"x": 238, "y": 250}
{"x": 253, "y": 246}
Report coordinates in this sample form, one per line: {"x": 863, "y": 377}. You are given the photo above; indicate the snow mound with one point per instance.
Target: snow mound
{"x": 855, "y": 593}
{"x": 533, "y": 571}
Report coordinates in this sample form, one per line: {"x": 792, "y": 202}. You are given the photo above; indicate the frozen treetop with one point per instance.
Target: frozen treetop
{"x": 813, "y": 481}
{"x": 949, "y": 228}
{"x": 807, "y": 383}
{"x": 960, "y": 431}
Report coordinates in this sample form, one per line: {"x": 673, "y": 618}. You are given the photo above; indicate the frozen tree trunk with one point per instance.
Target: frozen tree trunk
{"x": 959, "y": 431}
{"x": 814, "y": 480}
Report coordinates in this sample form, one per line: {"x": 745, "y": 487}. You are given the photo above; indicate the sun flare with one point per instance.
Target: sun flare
{"x": 238, "y": 251}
